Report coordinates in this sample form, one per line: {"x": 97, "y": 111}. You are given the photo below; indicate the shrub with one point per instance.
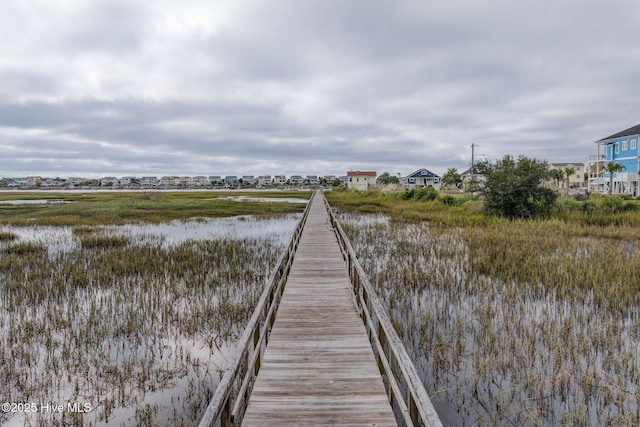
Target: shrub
{"x": 422, "y": 194}
{"x": 513, "y": 188}
{"x": 448, "y": 200}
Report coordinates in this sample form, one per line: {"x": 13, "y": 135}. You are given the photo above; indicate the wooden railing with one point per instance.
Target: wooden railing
{"x": 405, "y": 390}
{"x": 229, "y": 401}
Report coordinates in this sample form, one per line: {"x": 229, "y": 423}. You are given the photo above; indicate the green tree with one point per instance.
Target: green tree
{"x": 515, "y": 188}
{"x": 568, "y": 171}
{"x": 557, "y": 175}
{"x": 452, "y": 178}
{"x": 611, "y": 168}
{"x": 386, "y": 178}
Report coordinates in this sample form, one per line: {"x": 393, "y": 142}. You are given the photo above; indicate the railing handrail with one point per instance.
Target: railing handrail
{"x": 223, "y": 404}
{"x": 415, "y": 405}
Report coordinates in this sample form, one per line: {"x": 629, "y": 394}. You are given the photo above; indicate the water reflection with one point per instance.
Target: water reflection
{"x": 263, "y": 199}
{"x": 237, "y": 227}
{"x": 18, "y": 202}
{"x": 62, "y": 240}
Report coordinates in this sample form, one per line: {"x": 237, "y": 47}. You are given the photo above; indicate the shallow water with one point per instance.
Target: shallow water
{"x": 499, "y": 353}
{"x": 264, "y": 199}
{"x": 168, "y": 337}
{"x": 19, "y": 202}
{"x": 61, "y": 240}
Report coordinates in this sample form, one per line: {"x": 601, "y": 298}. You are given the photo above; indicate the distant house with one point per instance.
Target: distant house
{"x": 18, "y": 182}
{"x": 73, "y": 181}
{"x": 622, "y": 147}
{"x": 421, "y": 178}
{"x": 361, "y": 180}
{"x": 279, "y": 180}
{"x": 149, "y": 181}
{"x": 109, "y": 181}
{"x": 312, "y": 180}
{"x": 185, "y": 182}
{"x": 328, "y": 179}
{"x": 576, "y": 179}
{"x": 248, "y": 180}
{"x": 53, "y": 182}
{"x": 231, "y": 180}
{"x": 296, "y": 180}
{"x": 467, "y": 177}
{"x": 265, "y": 180}
{"x": 34, "y": 181}
{"x": 168, "y": 181}
{"x": 199, "y": 181}
{"x": 127, "y": 180}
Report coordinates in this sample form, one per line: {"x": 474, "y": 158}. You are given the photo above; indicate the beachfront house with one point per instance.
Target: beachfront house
{"x": 230, "y": 181}
{"x": 296, "y": 180}
{"x": 576, "y": 179}
{"x": 149, "y": 181}
{"x": 421, "y": 178}
{"x": 109, "y": 181}
{"x": 199, "y": 181}
{"x": 265, "y": 180}
{"x": 622, "y": 148}
{"x": 361, "y": 180}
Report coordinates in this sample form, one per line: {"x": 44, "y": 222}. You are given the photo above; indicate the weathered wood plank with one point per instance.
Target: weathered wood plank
{"x": 318, "y": 368}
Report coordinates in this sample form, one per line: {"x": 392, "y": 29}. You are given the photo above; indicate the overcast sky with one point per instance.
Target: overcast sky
{"x": 161, "y": 87}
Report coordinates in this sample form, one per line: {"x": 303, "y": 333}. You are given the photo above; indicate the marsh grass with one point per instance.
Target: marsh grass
{"x": 121, "y": 207}
{"x": 27, "y": 249}
{"x": 103, "y": 241}
{"x": 7, "y": 236}
{"x": 135, "y": 328}
{"x": 512, "y": 322}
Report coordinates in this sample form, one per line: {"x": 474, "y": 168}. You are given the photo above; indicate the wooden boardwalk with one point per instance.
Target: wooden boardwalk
{"x": 318, "y": 368}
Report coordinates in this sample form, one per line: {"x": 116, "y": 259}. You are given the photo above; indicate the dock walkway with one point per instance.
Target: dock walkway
{"x": 319, "y": 367}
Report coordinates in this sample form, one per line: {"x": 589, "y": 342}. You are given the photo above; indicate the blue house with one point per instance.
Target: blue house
{"x": 622, "y": 147}
{"x": 421, "y": 178}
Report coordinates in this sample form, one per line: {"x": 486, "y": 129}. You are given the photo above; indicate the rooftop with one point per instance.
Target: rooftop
{"x": 361, "y": 173}
{"x": 635, "y": 130}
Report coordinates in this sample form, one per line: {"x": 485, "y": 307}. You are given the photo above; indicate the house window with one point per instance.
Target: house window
{"x": 624, "y": 145}
{"x": 577, "y": 176}
{"x": 617, "y": 147}
{"x": 633, "y": 144}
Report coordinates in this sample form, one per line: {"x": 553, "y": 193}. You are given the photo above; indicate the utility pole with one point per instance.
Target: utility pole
{"x": 473, "y": 171}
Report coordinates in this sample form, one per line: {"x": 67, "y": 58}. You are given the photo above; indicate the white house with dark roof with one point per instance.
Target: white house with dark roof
{"x": 231, "y": 180}
{"x": 109, "y": 181}
{"x": 421, "y": 178}
{"x": 199, "y": 181}
{"x": 265, "y": 180}
{"x": 312, "y": 180}
{"x": 149, "y": 181}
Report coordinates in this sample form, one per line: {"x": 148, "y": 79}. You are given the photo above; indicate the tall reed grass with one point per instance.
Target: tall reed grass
{"x": 138, "y": 330}
{"x": 513, "y": 322}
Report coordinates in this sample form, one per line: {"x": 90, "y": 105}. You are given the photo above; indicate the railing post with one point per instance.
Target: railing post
{"x": 256, "y": 348}
{"x": 225, "y": 418}
{"x": 413, "y": 409}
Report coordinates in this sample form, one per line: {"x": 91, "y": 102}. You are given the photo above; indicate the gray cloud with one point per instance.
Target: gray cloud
{"x": 309, "y": 87}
